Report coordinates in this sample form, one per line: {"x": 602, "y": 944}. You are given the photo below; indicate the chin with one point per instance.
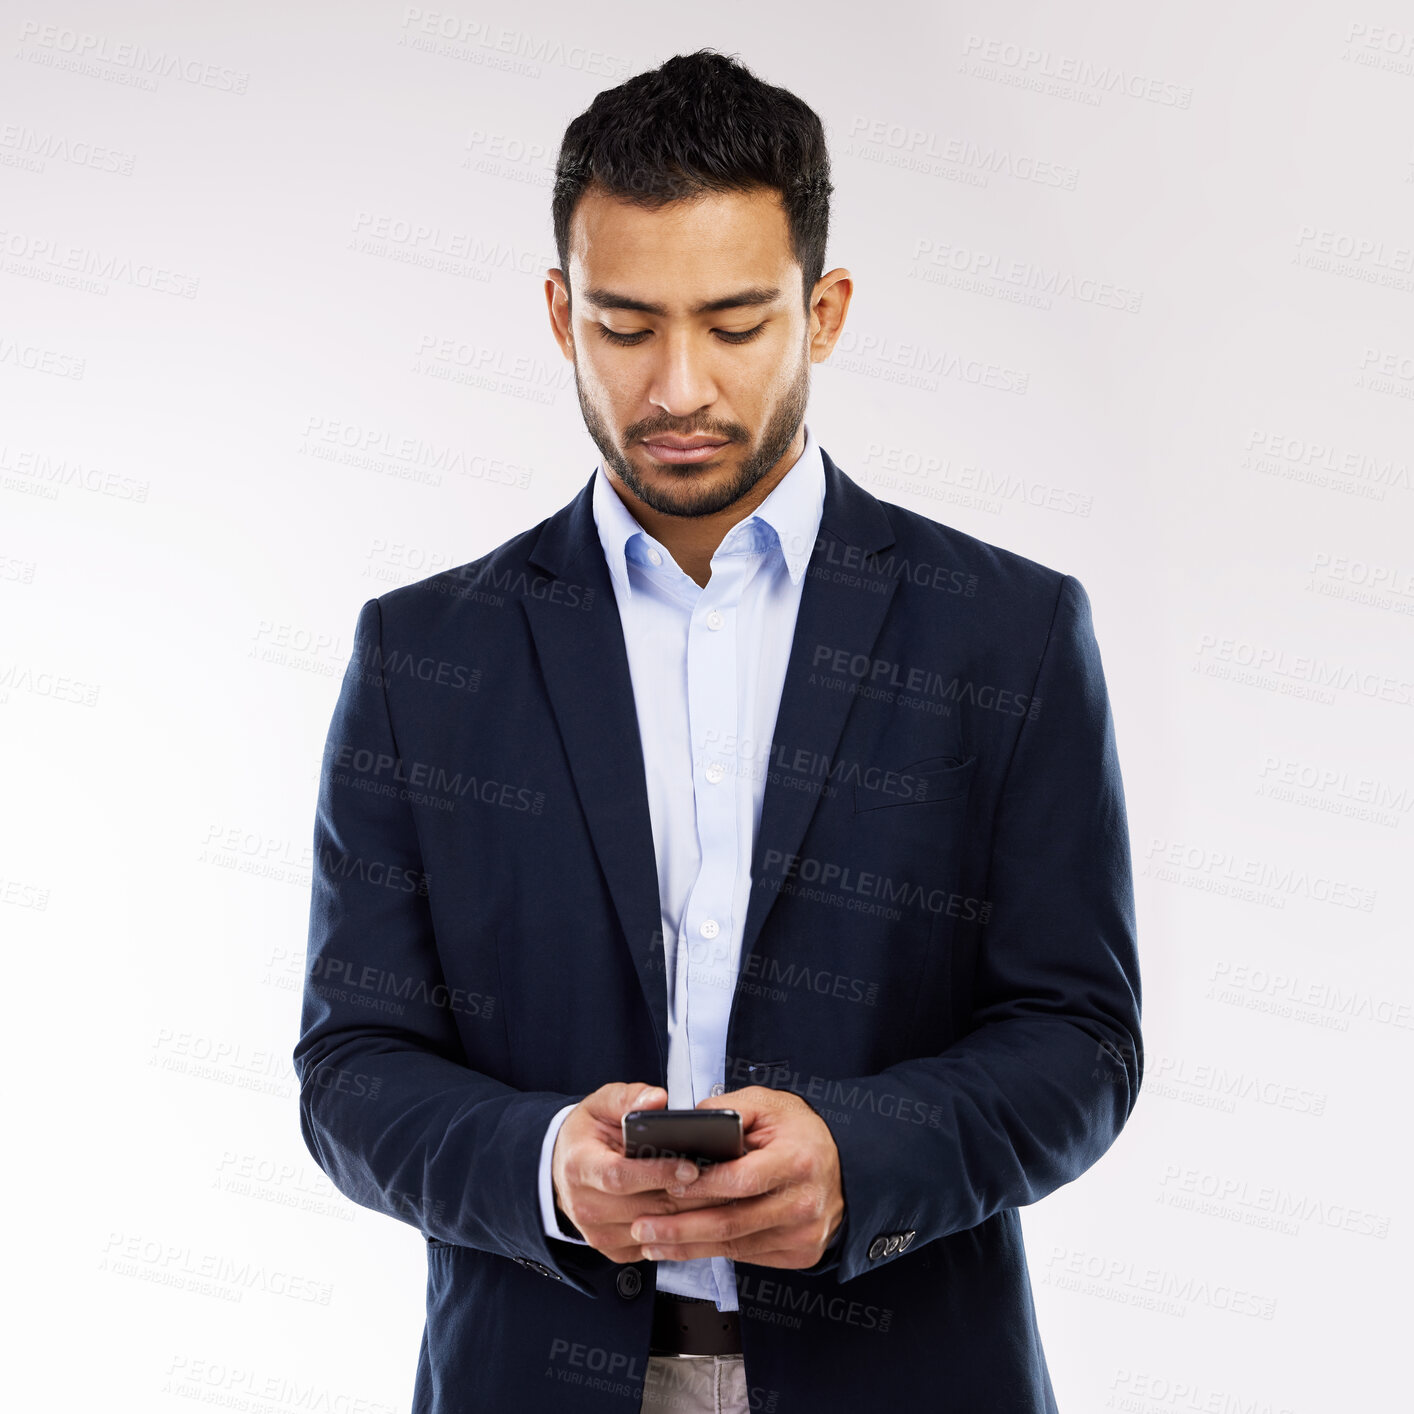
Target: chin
{"x": 688, "y": 471}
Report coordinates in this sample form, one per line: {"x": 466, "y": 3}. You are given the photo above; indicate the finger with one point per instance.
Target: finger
{"x": 609, "y": 1171}
{"x": 756, "y": 1173}
{"x": 785, "y": 1248}
{"x": 749, "y": 1230}
{"x": 731, "y": 1178}
{"x": 714, "y": 1225}
{"x": 597, "y": 1211}
{"x": 609, "y": 1103}
{"x": 757, "y": 1104}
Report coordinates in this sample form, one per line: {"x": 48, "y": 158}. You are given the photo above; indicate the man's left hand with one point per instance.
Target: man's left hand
{"x": 784, "y": 1200}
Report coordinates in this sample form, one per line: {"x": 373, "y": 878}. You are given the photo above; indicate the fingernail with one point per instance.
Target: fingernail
{"x": 686, "y": 1173}
{"x": 651, "y": 1254}
{"x": 643, "y": 1097}
{"x": 643, "y": 1232}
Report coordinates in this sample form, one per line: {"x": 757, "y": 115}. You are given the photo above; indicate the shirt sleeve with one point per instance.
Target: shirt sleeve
{"x": 549, "y": 1219}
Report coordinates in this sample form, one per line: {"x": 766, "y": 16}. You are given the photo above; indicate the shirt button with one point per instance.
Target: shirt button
{"x": 654, "y": 558}
{"x": 715, "y": 772}
{"x": 715, "y": 619}
{"x": 719, "y": 1089}
{"x": 709, "y": 928}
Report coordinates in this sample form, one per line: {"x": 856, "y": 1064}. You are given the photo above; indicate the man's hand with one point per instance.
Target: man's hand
{"x": 783, "y": 1198}
{"x": 599, "y": 1190}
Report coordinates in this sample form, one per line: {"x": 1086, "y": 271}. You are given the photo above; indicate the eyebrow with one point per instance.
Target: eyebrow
{"x": 742, "y": 299}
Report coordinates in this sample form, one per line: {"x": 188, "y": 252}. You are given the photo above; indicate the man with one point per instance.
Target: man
{"x": 725, "y": 786}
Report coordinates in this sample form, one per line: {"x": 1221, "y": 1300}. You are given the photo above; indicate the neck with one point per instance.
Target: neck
{"x": 693, "y": 540}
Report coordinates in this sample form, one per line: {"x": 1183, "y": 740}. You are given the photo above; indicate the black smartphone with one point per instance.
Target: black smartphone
{"x": 706, "y": 1136}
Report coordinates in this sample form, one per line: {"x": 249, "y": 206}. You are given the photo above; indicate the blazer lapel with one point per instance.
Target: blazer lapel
{"x": 585, "y": 665}
{"x": 842, "y": 604}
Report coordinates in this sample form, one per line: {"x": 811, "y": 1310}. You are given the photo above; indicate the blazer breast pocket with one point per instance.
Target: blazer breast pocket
{"x": 926, "y": 782}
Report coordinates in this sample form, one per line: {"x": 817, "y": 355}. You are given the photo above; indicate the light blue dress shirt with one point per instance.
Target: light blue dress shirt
{"x": 707, "y": 665}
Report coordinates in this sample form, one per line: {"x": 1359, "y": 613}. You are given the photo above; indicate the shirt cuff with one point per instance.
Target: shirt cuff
{"x": 549, "y": 1221}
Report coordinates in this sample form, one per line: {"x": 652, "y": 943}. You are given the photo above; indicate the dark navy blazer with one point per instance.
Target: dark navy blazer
{"x": 939, "y": 956}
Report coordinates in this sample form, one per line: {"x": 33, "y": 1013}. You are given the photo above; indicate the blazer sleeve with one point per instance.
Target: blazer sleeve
{"x": 388, "y": 1106}
{"x": 1042, "y": 1084}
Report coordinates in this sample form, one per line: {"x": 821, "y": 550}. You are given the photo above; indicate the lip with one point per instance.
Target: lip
{"x": 684, "y": 450}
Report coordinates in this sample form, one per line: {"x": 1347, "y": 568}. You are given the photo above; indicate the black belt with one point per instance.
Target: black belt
{"x": 687, "y": 1325}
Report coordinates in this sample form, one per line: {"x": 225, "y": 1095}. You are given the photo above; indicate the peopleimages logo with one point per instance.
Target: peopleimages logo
{"x": 919, "y": 680}
{"x": 368, "y": 770}
{"x": 777, "y": 866}
{"x": 779, "y": 1303}
{"x": 378, "y": 666}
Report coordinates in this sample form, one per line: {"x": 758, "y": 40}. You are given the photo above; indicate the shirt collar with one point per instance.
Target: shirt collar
{"x": 792, "y": 511}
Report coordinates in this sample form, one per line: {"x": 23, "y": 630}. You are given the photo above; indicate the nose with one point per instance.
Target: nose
{"x": 683, "y": 382}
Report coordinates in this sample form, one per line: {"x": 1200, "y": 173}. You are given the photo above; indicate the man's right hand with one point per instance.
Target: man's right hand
{"x": 600, "y": 1190}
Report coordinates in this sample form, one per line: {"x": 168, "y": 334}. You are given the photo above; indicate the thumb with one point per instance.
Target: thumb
{"x": 612, "y": 1102}
{"x": 641, "y": 1097}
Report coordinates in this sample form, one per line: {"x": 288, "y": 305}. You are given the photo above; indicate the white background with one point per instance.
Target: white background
{"x": 1134, "y": 296}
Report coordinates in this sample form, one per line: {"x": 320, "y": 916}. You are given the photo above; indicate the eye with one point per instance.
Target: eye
{"x": 745, "y": 337}
{"x": 630, "y": 339}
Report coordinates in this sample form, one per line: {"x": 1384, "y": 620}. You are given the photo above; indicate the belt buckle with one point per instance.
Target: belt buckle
{"x": 691, "y": 1320}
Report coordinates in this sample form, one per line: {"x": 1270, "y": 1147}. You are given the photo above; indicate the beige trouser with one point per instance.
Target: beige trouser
{"x": 694, "y": 1384}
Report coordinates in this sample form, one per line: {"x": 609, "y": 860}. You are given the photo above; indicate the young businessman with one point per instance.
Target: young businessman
{"x": 725, "y": 786}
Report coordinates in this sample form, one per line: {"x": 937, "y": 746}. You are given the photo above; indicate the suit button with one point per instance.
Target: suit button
{"x": 629, "y": 1282}
{"x": 891, "y": 1246}
{"x": 876, "y": 1248}
{"x": 906, "y": 1239}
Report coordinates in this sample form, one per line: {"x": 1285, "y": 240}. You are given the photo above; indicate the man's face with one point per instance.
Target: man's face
{"x": 738, "y": 373}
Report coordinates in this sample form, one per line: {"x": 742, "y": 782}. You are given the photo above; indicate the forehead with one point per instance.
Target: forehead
{"x": 682, "y": 253}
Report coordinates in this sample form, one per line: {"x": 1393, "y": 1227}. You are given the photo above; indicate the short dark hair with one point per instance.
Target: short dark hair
{"x": 699, "y": 123}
